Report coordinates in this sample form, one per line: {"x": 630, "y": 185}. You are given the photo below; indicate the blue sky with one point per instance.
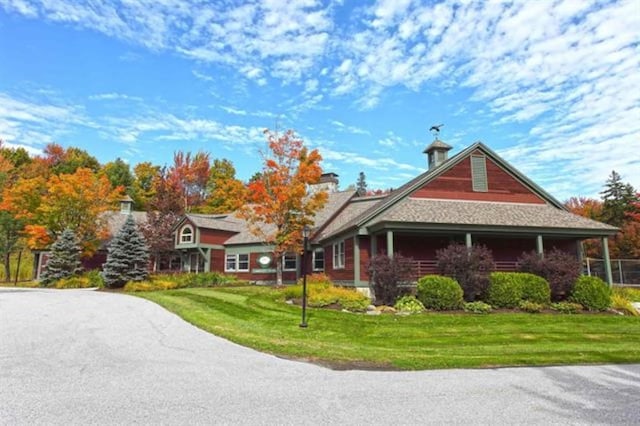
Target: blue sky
{"x": 553, "y": 86}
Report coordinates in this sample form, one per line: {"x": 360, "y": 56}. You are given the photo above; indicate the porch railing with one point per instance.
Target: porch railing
{"x": 420, "y": 268}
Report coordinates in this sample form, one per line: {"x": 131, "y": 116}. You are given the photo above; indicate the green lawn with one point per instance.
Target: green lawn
{"x": 258, "y": 317}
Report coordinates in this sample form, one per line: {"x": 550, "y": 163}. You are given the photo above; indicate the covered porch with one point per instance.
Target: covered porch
{"x": 506, "y": 246}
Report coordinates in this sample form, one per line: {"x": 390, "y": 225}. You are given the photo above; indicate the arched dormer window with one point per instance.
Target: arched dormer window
{"x": 186, "y": 234}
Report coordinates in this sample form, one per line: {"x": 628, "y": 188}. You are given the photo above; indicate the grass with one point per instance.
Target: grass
{"x": 258, "y": 317}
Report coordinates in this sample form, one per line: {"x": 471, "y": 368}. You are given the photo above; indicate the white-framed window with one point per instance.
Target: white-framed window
{"x": 338, "y": 255}
{"x": 317, "y": 260}
{"x": 289, "y": 262}
{"x": 236, "y": 263}
{"x": 186, "y": 234}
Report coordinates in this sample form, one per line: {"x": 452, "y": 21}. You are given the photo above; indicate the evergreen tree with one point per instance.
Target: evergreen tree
{"x": 619, "y": 198}
{"x": 64, "y": 258}
{"x": 128, "y": 257}
{"x": 361, "y": 185}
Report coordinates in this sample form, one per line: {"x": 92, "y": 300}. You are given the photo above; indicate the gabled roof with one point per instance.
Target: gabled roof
{"x": 437, "y": 144}
{"x": 381, "y": 211}
{"x": 222, "y": 222}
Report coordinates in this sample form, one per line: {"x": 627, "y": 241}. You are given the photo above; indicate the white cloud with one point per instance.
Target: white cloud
{"x": 287, "y": 37}
{"x": 114, "y": 96}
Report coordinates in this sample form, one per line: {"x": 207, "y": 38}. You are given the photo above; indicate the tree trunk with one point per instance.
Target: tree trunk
{"x": 7, "y": 267}
{"x": 18, "y": 268}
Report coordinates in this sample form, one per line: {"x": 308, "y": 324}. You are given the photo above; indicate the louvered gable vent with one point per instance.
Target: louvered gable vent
{"x": 479, "y": 173}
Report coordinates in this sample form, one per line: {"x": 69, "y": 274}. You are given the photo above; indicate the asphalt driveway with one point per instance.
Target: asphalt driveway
{"x": 85, "y": 357}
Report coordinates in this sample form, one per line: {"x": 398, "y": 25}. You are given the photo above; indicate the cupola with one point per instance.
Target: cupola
{"x": 437, "y": 153}
{"x": 126, "y": 205}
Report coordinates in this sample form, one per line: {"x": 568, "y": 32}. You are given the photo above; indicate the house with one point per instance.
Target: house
{"x": 114, "y": 220}
{"x": 474, "y": 197}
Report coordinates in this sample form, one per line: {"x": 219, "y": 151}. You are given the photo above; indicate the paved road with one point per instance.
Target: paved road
{"x": 83, "y": 357}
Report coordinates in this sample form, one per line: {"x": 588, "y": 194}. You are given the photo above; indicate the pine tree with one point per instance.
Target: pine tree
{"x": 64, "y": 258}
{"x": 619, "y": 198}
{"x": 361, "y": 185}
{"x": 128, "y": 257}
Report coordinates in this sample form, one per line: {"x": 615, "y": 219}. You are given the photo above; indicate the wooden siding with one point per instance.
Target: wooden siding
{"x": 365, "y": 256}
{"x": 456, "y": 184}
{"x": 346, "y": 273}
{"x": 214, "y": 236}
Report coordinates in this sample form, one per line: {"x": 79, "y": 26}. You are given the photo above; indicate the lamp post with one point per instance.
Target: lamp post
{"x": 305, "y": 241}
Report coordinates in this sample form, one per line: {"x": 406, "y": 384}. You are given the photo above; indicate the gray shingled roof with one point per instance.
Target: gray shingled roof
{"x": 454, "y": 212}
{"x": 347, "y": 217}
{"x": 115, "y": 220}
{"x": 436, "y": 144}
{"x": 223, "y": 222}
{"x": 334, "y": 203}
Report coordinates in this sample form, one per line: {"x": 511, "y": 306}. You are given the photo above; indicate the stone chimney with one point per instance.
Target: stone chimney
{"x": 437, "y": 153}
{"x": 126, "y": 205}
{"x": 328, "y": 182}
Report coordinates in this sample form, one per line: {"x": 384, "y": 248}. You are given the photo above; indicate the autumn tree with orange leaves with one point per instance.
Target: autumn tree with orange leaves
{"x": 189, "y": 176}
{"x": 279, "y": 203}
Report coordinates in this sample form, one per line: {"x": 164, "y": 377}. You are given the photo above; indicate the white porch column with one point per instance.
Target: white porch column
{"x": 390, "y": 244}
{"x": 468, "y": 241}
{"x": 607, "y": 261}
{"x": 539, "y": 246}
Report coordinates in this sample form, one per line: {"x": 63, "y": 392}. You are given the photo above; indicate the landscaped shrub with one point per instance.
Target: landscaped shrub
{"x": 622, "y": 304}
{"x": 72, "y": 282}
{"x": 566, "y": 307}
{"x": 440, "y": 293}
{"x": 534, "y": 288}
{"x": 387, "y": 273}
{"x": 560, "y": 269}
{"x": 531, "y": 307}
{"x": 505, "y": 290}
{"x": 318, "y": 279}
{"x": 469, "y": 267}
{"x": 206, "y": 279}
{"x": 409, "y": 304}
{"x": 95, "y": 278}
{"x": 592, "y": 293}
{"x": 150, "y": 285}
{"x": 477, "y": 307}
{"x": 631, "y": 294}
{"x": 346, "y": 298}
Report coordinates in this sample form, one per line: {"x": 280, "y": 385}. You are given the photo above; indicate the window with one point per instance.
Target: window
{"x": 236, "y": 263}
{"x": 479, "y": 173}
{"x": 318, "y": 260}
{"x": 289, "y": 262}
{"x": 186, "y": 235}
{"x": 338, "y": 255}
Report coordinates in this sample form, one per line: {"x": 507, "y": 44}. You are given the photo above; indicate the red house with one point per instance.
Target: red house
{"x": 474, "y": 197}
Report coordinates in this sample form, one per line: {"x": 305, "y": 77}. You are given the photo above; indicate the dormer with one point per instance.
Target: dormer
{"x": 126, "y": 205}
{"x": 437, "y": 153}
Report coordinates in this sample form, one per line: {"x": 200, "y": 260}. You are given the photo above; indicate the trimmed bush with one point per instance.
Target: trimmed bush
{"x": 622, "y": 304}
{"x": 470, "y": 268}
{"x": 387, "y": 273}
{"x": 346, "y": 298}
{"x": 566, "y": 307}
{"x": 440, "y": 293}
{"x": 152, "y": 285}
{"x": 319, "y": 279}
{"x": 409, "y": 304}
{"x": 531, "y": 307}
{"x": 95, "y": 278}
{"x": 72, "y": 282}
{"x": 478, "y": 307}
{"x": 505, "y": 289}
{"x": 206, "y": 279}
{"x": 592, "y": 293}
{"x": 559, "y": 268}
{"x": 534, "y": 288}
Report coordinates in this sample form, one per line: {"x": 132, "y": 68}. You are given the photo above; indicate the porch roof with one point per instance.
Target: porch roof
{"x": 482, "y": 213}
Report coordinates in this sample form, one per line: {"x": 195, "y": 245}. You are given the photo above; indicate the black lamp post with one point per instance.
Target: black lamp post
{"x": 305, "y": 242}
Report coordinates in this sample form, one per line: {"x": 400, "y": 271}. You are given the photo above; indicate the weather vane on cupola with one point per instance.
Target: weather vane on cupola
{"x": 435, "y": 131}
